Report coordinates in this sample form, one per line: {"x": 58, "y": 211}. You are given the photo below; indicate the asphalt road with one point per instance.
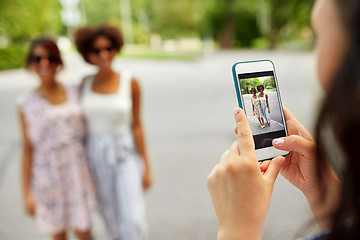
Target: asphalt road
{"x": 187, "y": 114}
{"x": 275, "y": 114}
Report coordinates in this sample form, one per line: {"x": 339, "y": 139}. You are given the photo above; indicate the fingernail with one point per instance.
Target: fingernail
{"x": 236, "y": 110}
{"x": 278, "y": 142}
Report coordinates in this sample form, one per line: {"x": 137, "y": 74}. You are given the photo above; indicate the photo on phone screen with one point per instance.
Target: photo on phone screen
{"x": 261, "y": 104}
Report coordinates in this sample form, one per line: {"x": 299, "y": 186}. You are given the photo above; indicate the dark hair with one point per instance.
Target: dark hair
{"x": 343, "y": 124}
{"x": 260, "y": 86}
{"x": 49, "y": 45}
{"x": 85, "y": 37}
{"x": 252, "y": 89}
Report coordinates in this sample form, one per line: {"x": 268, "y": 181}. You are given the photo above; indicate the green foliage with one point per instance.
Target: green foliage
{"x": 98, "y": 12}
{"x": 12, "y": 56}
{"x": 247, "y": 84}
{"x": 176, "y": 18}
{"x": 231, "y": 23}
{"x": 284, "y": 18}
{"x": 21, "y": 21}
{"x": 269, "y": 83}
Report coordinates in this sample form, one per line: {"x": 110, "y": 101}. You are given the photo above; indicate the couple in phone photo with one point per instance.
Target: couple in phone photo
{"x": 260, "y": 105}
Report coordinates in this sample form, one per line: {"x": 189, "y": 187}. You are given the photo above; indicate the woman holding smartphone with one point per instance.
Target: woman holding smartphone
{"x": 256, "y": 106}
{"x": 115, "y": 139}
{"x": 333, "y": 198}
{"x": 56, "y": 182}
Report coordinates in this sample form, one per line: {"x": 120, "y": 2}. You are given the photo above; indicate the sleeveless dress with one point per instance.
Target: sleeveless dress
{"x": 115, "y": 164}
{"x": 257, "y": 107}
{"x": 60, "y": 178}
{"x": 264, "y": 107}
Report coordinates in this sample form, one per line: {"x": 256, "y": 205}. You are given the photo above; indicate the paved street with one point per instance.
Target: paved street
{"x": 275, "y": 114}
{"x": 188, "y": 120}
{"x": 256, "y": 128}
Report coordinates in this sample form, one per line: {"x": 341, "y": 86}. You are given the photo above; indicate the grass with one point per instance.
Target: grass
{"x": 146, "y": 52}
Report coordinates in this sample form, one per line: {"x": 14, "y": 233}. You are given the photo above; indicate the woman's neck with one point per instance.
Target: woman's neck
{"x": 103, "y": 74}
{"x": 52, "y": 85}
{"x": 49, "y": 89}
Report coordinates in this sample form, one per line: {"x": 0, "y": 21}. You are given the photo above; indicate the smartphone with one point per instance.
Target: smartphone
{"x": 258, "y": 95}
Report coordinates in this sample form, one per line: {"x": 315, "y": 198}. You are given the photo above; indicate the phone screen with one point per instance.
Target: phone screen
{"x": 262, "y": 105}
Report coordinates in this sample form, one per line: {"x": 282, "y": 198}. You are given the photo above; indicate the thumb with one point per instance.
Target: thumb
{"x": 274, "y": 168}
{"x": 295, "y": 143}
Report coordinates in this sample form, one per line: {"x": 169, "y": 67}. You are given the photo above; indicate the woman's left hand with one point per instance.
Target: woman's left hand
{"x": 269, "y": 110}
{"x": 147, "y": 180}
{"x": 240, "y": 192}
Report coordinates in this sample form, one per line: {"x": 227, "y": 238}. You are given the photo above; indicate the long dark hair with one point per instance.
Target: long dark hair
{"x": 339, "y": 122}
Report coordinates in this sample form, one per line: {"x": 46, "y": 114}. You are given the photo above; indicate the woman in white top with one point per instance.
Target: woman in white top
{"x": 115, "y": 142}
{"x": 256, "y": 106}
{"x": 264, "y": 101}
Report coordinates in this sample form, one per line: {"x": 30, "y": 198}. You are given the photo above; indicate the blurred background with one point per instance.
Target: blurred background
{"x": 157, "y": 28}
{"x": 182, "y": 52}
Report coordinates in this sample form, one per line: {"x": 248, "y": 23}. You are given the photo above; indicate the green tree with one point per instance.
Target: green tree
{"x": 283, "y": 17}
{"x": 22, "y": 20}
{"x": 269, "y": 82}
{"x": 232, "y": 23}
{"x": 176, "y": 18}
{"x": 247, "y": 84}
{"x": 244, "y": 86}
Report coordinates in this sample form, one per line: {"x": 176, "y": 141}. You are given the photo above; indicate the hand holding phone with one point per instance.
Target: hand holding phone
{"x": 257, "y": 91}
{"x": 241, "y": 199}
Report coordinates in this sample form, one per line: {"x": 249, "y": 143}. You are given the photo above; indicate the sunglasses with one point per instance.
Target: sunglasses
{"x": 37, "y": 59}
{"x": 99, "y": 50}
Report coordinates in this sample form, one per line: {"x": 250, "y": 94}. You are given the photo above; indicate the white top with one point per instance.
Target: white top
{"x": 262, "y": 99}
{"x": 107, "y": 113}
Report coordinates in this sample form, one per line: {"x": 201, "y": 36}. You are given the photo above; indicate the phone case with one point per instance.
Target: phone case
{"x": 237, "y": 88}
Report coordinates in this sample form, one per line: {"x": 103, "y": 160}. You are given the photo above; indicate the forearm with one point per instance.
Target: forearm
{"x": 140, "y": 144}
{"x": 26, "y": 171}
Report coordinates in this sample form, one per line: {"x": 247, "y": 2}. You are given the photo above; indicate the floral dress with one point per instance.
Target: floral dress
{"x": 60, "y": 179}
{"x": 257, "y": 107}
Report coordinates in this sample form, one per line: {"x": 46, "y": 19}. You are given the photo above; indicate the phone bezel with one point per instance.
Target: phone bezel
{"x": 262, "y": 154}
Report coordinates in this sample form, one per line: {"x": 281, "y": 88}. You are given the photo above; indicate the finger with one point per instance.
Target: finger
{"x": 287, "y": 114}
{"x": 234, "y": 150}
{"x": 223, "y": 158}
{"x": 273, "y": 169}
{"x": 215, "y": 173}
{"x": 295, "y": 143}
{"x": 211, "y": 178}
{"x": 244, "y": 136}
{"x": 264, "y": 165}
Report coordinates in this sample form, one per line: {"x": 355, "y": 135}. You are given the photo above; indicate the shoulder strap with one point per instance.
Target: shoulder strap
{"x": 125, "y": 83}
{"x": 86, "y": 88}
